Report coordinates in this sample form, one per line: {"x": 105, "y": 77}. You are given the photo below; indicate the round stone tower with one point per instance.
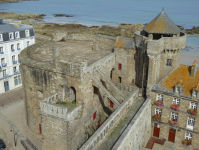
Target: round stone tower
{"x": 158, "y": 50}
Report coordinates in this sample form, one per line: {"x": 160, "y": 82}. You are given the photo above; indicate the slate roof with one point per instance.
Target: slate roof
{"x": 162, "y": 24}
{"x": 181, "y": 75}
{"x": 6, "y": 27}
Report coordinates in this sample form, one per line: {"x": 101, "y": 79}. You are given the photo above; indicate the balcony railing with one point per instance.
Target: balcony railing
{"x": 192, "y": 111}
{"x": 2, "y": 52}
{"x": 159, "y": 103}
{"x": 187, "y": 142}
{"x": 5, "y": 75}
{"x": 14, "y": 62}
{"x": 19, "y": 49}
{"x": 175, "y": 106}
{"x": 16, "y": 72}
{"x": 4, "y": 65}
{"x": 12, "y": 50}
{"x": 157, "y": 117}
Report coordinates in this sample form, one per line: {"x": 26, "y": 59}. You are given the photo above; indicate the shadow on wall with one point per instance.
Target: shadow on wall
{"x": 106, "y": 109}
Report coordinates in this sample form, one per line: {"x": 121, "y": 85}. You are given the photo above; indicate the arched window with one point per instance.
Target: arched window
{"x": 72, "y": 94}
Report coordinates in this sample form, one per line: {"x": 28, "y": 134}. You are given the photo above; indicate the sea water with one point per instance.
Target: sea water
{"x": 115, "y": 12}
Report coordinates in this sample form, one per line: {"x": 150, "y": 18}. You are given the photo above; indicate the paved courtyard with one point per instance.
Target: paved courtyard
{"x": 12, "y": 119}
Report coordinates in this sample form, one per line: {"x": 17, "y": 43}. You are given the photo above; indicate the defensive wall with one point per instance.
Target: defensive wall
{"x": 108, "y": 125}
{"x": 138, "y": 131}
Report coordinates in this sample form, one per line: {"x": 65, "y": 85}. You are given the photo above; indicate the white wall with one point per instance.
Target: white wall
{"x": 8, "y": 59}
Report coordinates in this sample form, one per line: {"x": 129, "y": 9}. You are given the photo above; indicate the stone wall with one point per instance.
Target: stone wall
{"x": 138, "y": 131}
{"x": 181, "y": 128}
{"x": 108, "y": 125}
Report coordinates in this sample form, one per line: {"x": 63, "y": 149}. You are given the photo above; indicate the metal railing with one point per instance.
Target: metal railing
{"x": 14, "y": 62}
{"x": 12, "y": 50}
{"x": 30, "y": 143}
{"x": 4, "y": 65}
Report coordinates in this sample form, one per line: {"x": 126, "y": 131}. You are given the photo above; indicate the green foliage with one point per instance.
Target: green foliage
{"x": 74, "y": 102}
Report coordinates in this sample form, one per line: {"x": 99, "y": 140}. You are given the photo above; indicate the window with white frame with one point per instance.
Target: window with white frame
{"x": 18, "y": 46}
{"x": 193, "y": 105}
{"x": 17, "y": 35}
{"x": 27, "y": 33}
{"x": 188, "y": 136}
{"x": 1, "y": 37}
{"x": 159, "y": 97}
{"x": 12, "y": 47}
{"x": 158, "y": 111}
{"x": 4, "y": 72}
{"x": 14, "y": 69}
{"x": 13, "y": 58}
{"x": 176, "y": 101}
{"x": 174, "y": 116}
{"x": 17, "y": 80}
{"x": 1, "y": 49}
{"x": 28, "y": 43}
{"x": 191, "y": 121}
{"x": 11, "y": 36}
{"x": 2, "y": 60}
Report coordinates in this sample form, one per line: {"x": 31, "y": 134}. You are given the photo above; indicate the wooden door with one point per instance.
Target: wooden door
{"x": 156, "y": 131}
{"x": 172, "y": 133}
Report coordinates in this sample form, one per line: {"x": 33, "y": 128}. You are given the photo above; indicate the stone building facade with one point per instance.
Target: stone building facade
{"x": 175, "y": 98}
{"x": 77, "y": 87}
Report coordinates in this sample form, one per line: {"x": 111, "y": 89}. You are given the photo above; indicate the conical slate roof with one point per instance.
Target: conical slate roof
{"x": 162, "y": 24}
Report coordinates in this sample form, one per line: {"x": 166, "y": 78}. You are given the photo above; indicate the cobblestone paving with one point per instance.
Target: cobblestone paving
{"x": 11, "y": 96}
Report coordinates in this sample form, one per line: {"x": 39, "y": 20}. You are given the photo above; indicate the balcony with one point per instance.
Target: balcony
{"x": 159, "y": 103}
{"x": 16, "y": 72}
{"x": 192, "y": 111}
{"x": 157, "y": 117}
{"x": 4, "y": 65}
{"x": 175, "y": 107}
{"x": 14, "y": 62}
{"x": 5, "y": 75}
{"x": 2, "y": 52}
{"x": 12, "y": 50}
{"x": 173, "y": 122}
{"x": 187, "y": 142}
{"x": 19, "y": 49}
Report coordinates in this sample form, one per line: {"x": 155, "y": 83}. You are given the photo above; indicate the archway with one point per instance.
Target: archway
{"x": 72, "y": 94}
{"x": 111, "y": 75}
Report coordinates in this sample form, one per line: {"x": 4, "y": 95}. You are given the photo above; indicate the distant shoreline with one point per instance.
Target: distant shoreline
{"x": 46, "y": 28}
{"x": 13, "y": 1}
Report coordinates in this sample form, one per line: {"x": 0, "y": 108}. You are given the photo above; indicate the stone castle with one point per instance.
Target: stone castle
{"x": 95, "y": 92}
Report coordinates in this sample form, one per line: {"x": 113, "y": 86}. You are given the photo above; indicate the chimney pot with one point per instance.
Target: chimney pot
{"x": 194, "y": 68}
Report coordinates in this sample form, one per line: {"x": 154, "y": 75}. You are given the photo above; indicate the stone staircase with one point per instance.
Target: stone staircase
{"x": 111, "y": 84}
{"x": 108, "y": 94}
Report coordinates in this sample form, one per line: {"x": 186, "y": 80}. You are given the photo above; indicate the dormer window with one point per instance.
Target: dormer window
{"x": 17, "y": 35}
{"x": 195, "y": 93}
{"x": 27, "y": 33}
{"x": 11, "y": 36}
{"x": 1, "y": 37}
{"x": 178, "y": 89}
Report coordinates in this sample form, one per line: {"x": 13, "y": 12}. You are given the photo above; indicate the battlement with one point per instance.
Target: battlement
{"x": 164, "y": 43}
{"x": 48, "y": 106}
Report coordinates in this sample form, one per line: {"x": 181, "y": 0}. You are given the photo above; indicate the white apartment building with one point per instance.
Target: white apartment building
{"x": 14, "y": 37}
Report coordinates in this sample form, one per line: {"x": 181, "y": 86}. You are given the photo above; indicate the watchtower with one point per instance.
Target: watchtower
{"x": 158, "y": 50}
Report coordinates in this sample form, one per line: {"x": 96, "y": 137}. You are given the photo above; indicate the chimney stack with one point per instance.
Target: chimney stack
{"x": 194, "y": 68}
